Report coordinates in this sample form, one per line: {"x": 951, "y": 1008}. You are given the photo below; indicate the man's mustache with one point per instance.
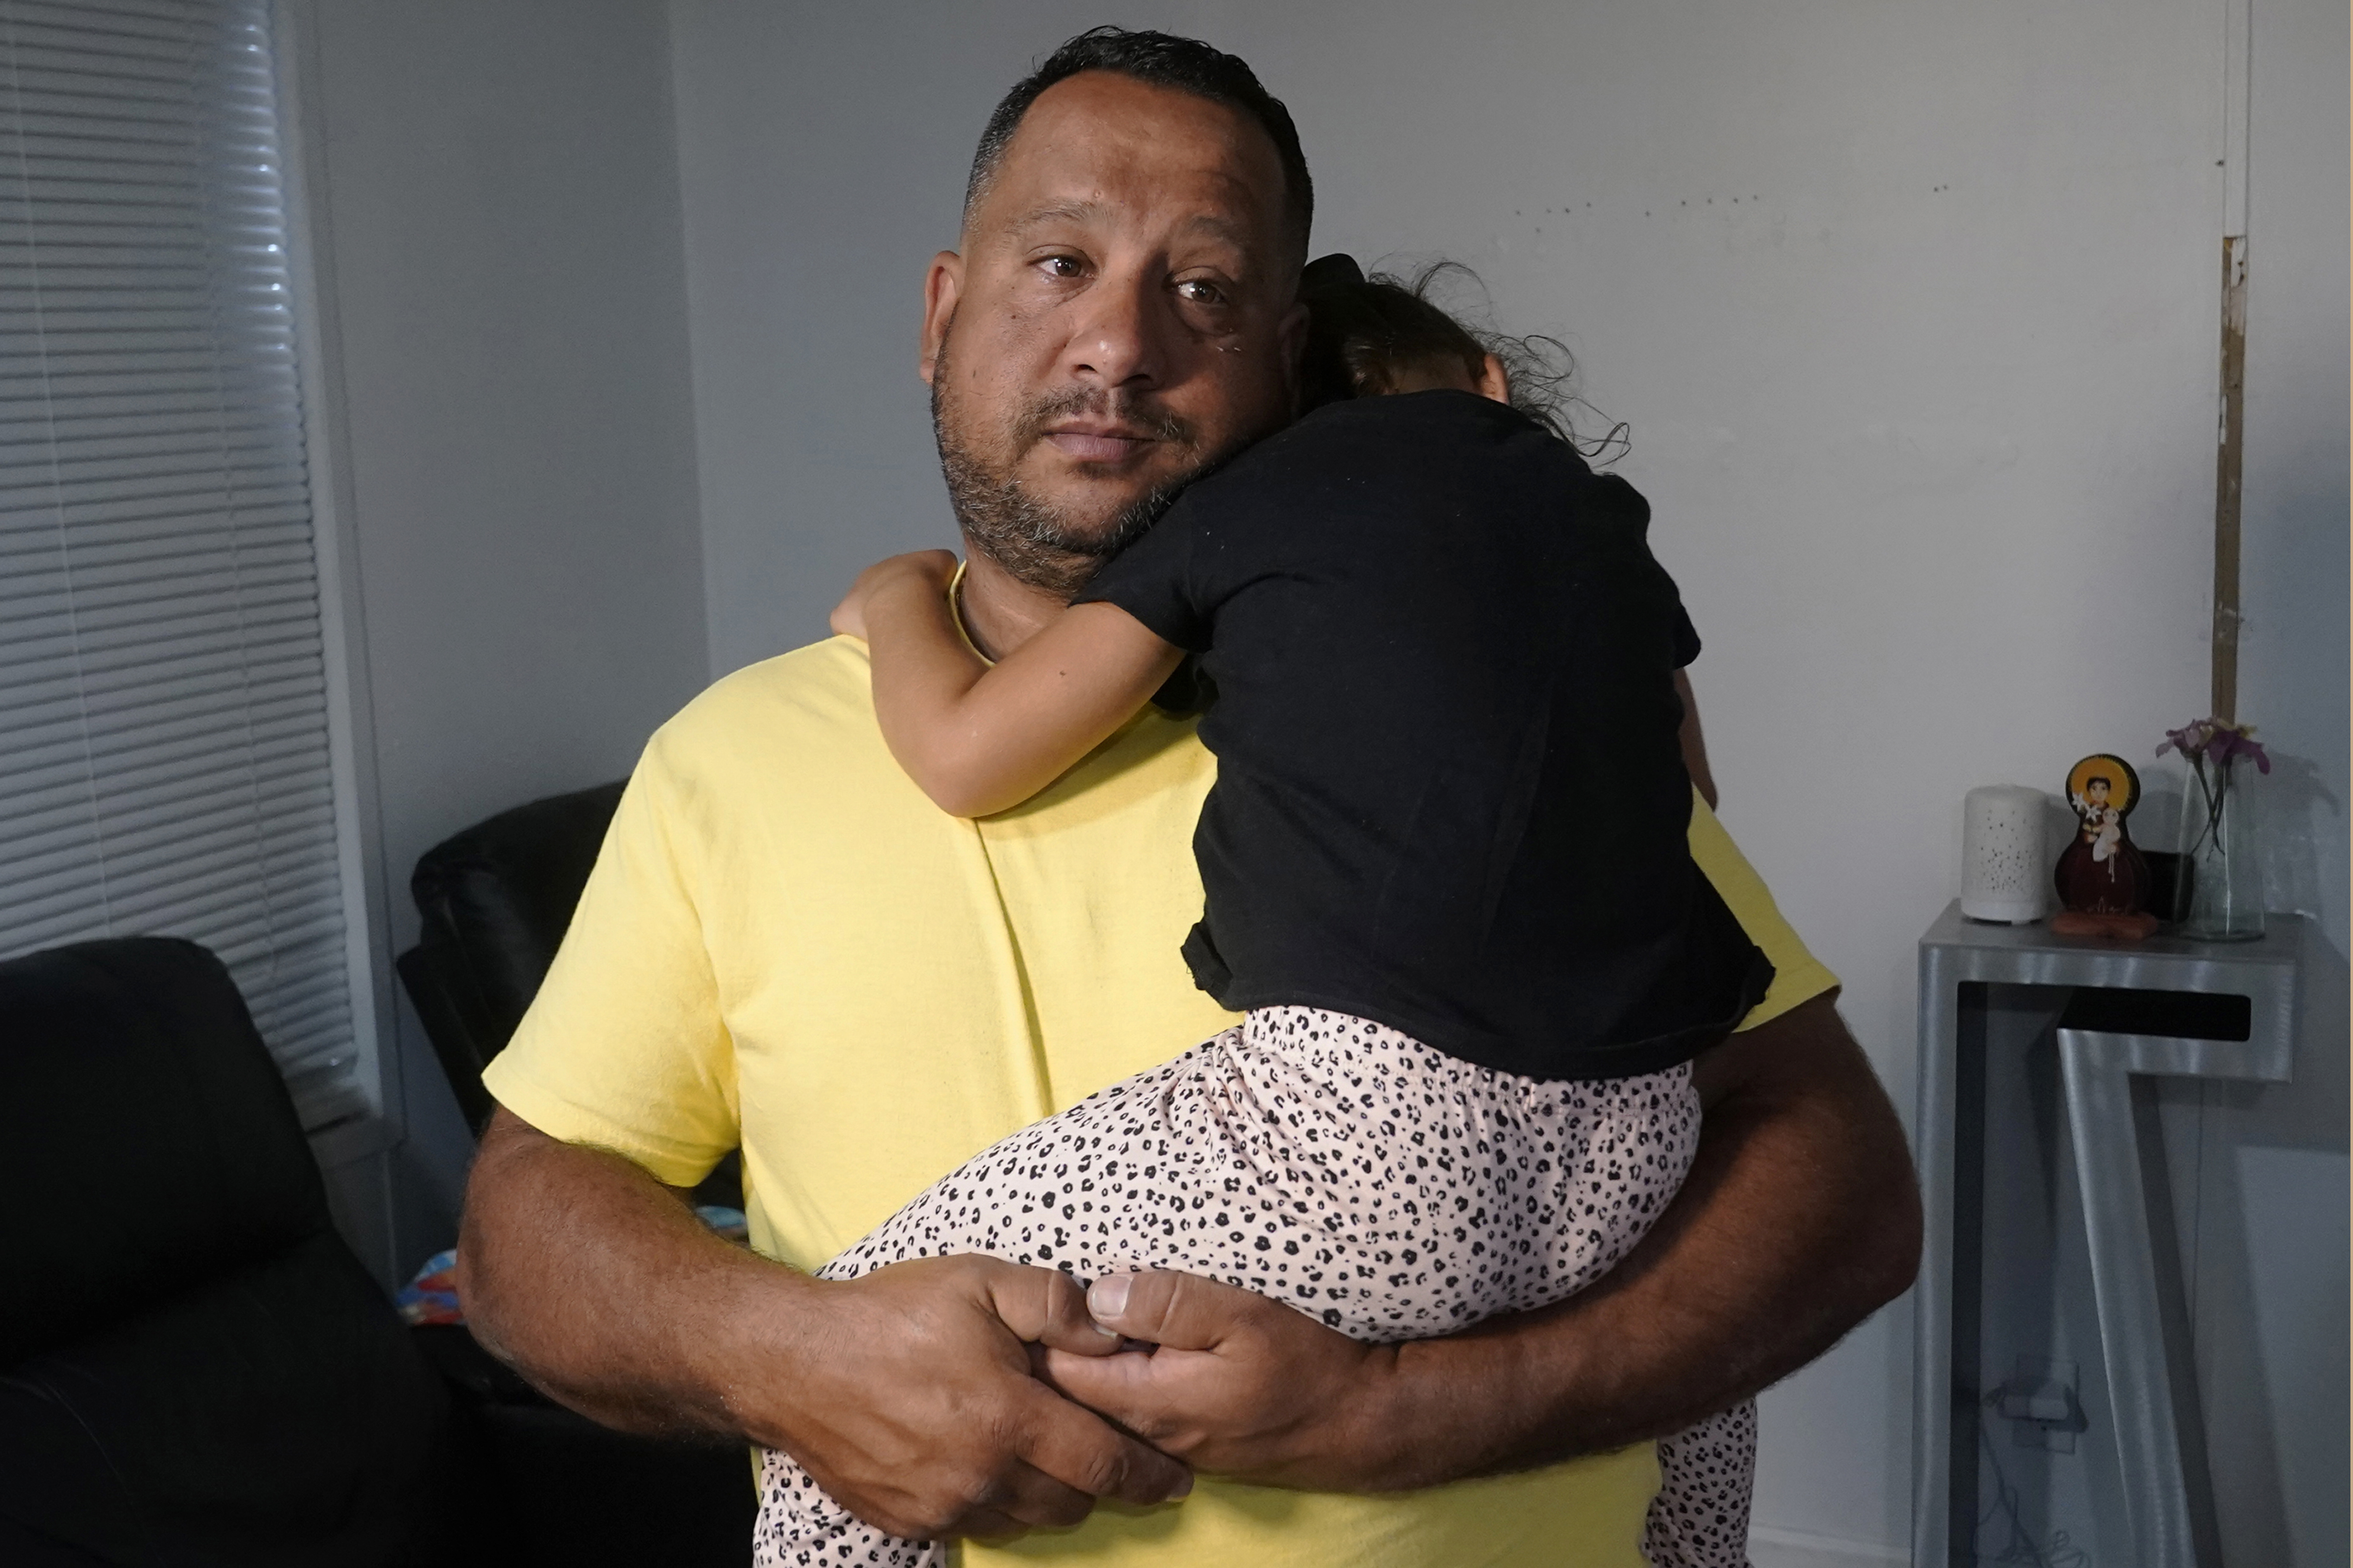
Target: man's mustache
{"x": 1131, "y": 410}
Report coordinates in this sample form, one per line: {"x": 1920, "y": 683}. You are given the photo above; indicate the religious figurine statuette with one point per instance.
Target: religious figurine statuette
{"x": 2103, "y": 881}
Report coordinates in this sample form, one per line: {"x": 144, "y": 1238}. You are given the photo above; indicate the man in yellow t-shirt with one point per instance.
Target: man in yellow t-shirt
{"x": 785, "y": 946}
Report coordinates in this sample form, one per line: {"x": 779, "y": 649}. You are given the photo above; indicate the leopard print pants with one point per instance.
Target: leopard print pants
{"x": 1342, "y": 1168}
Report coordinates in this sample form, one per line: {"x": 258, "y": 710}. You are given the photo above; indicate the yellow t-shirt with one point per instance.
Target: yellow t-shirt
{"x": 785, "y": 945}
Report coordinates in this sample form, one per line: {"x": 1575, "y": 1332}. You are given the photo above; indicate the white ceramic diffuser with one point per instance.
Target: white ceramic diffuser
{"x": 2002, "y": 874}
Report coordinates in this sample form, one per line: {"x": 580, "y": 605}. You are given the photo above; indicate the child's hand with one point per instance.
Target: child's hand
{"x": 936, "y": 569}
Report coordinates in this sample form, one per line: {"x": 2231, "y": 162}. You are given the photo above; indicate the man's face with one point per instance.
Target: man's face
{"x": 1122, "y": 317}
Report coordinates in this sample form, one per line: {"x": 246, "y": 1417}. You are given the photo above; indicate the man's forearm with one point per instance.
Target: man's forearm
{"x": 906, "y": 1393}
{"x": 598, "y": 1284}
{"x": 1799, "y": 1219}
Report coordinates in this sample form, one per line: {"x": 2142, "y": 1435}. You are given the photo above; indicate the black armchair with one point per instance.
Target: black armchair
{"x": 495, "y": 901}
{"x": 194, "y": 1368}
{"x": 196, "y": 1372}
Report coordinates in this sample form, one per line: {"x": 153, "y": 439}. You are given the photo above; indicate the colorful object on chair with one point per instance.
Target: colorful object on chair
{"x": 728, "y": 1225}
{"x": 432, "y": 1296}
{"x": 2102, "y": 878}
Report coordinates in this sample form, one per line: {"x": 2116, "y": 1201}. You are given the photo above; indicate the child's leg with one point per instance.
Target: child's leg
{"x": 1700, "y": 1518}
{"x": 1319, "y": 1160}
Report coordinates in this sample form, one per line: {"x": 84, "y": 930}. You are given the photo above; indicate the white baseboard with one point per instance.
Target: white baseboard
{"x": 1769, "y": 1547}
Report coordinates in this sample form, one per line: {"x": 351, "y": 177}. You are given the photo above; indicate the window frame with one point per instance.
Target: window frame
{"x": 351, "y": 730}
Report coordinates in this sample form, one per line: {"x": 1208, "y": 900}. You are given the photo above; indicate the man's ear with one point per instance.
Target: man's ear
{"x": 1291, "y": 343}
{"x": 943, "y": 285}
{"x": 1495, "y": 381}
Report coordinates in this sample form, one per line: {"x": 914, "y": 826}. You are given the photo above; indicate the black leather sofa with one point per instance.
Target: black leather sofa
{"x": 195, "y": 1370}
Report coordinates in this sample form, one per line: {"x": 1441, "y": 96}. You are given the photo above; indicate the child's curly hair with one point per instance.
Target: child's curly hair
{"x": 1363, "y": 332}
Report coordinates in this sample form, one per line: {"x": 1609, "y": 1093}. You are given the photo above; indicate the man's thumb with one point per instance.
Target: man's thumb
{"x": 1180, "y": 1312}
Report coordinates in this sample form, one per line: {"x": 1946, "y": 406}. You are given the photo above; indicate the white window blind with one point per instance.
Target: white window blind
{"x": 164, "y": 766}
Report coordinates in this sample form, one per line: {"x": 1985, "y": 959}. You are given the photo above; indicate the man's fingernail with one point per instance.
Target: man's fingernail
{"x": 1183, "y": 1488}
{"x": 1108, "y": 1298}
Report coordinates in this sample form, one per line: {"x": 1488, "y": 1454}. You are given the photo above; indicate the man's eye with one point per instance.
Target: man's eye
{"x": 1062, "y": 267}
{"x": 1200, "y": 291}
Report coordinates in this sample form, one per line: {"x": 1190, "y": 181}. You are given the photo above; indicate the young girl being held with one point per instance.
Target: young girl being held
{"x": 1445, "y": 875}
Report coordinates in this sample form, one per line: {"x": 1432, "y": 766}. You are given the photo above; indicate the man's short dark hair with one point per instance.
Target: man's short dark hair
{"x": 1162, "y": 60}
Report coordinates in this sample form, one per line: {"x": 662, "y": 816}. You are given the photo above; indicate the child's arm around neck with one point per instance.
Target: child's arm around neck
{"x": 980, "y": 738}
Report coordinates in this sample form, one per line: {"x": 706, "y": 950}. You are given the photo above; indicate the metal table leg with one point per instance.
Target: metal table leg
{"x": 2144, "y": 1328}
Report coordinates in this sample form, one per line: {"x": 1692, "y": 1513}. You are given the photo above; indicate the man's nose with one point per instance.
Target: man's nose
{"x": 1121, "y": 336}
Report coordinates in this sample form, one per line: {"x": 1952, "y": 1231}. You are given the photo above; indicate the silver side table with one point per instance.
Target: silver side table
{"x": 2164, "y": 1006}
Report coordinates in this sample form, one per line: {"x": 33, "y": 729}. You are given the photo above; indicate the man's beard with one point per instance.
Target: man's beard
{"x": 1021, "y": 533}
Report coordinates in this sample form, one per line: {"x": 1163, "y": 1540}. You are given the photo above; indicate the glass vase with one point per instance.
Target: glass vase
{"x": 2218, "y": 896}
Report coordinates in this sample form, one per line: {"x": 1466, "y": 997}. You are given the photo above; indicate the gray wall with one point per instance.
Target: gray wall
{"x": 2267, "y": 1240}
{"x": 494, "y": 184}
{"x": 1911, "y": 309}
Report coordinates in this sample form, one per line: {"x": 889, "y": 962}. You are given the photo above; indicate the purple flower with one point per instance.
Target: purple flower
{"x": 2210, "y": 740}
{"x": 2237, "y": 743}
{"x": 2189, "y": 739}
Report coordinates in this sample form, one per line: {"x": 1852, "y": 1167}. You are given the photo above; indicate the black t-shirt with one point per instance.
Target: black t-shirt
{"x": 1449, "y": 793}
